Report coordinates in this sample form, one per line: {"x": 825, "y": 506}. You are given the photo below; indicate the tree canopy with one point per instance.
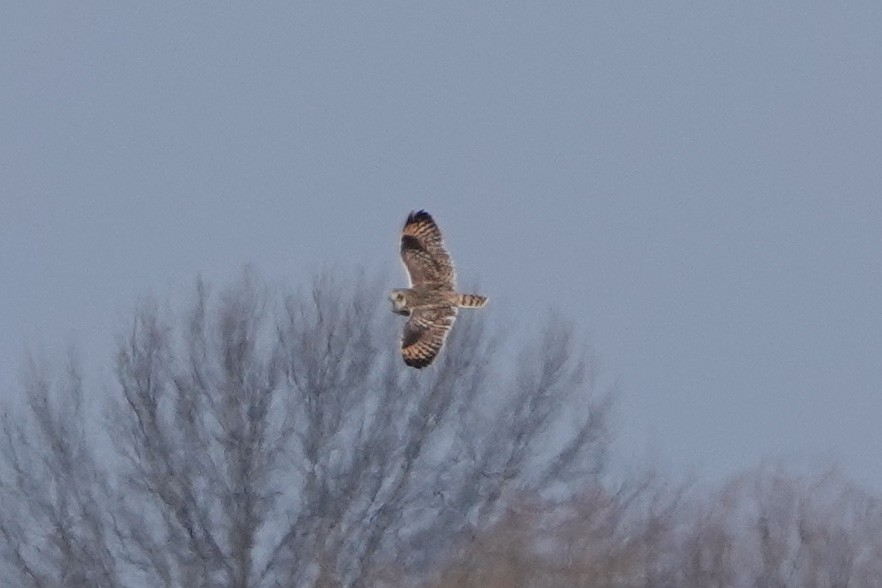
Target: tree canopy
{"x": 255, "y": 440}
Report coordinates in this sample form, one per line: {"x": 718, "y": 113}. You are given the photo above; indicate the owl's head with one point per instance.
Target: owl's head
{"x": 399, "y": 301}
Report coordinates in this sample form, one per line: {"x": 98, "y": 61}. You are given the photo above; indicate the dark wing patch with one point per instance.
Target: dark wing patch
{"x": 423, "y": 252}
{"x": 424, "y": 335}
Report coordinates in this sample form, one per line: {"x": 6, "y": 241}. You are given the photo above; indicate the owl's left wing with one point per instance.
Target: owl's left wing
{"x": 423, "y": 251}
{"x": 424, "y": 335}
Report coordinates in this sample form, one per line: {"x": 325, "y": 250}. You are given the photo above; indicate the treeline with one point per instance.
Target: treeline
{"x": 255, "y": 440}
{"x": 766, "y": 528}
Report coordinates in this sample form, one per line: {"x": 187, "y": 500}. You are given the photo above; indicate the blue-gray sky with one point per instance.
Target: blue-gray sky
{"x": 698, "y": 184}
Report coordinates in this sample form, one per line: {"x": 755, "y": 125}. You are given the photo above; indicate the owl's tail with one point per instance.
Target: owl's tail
{"x": 471, "y": 301}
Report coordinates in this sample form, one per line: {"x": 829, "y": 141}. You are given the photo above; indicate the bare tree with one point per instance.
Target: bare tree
{"x": 609, "y": 535}
{"x": 193, "y": 425}
{"x": 826, "y": 530}
{"x": 708, "y": 549}
{"x": 54, "y": 530}
{"x": 400, "y": 462}
{"x": 764, "y": 528}
{"x": 256, "y": 442}
{"x": 772, "y": 528}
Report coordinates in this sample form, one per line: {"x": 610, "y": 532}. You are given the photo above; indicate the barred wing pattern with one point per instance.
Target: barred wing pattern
{"x": 423, "y": 252}
{"x": 424, "y": 334}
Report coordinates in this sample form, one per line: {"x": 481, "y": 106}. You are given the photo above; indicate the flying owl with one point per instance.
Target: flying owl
{"x": 432, "y": 301}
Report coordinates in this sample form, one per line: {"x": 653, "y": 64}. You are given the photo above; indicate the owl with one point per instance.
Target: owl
{"x": 431, "y": 302}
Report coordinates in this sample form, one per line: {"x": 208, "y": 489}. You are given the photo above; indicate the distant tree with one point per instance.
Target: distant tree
{"x": 770, "y": 528}
{"x": 764, "y": 528}
{"x": 707, "y": 553}
{"x": 815, "y": 532}
{"x": 606, "y": 536}
{"x": 254, "y": 442}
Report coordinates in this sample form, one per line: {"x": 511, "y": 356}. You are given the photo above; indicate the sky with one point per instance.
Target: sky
{"x": 697, "y": 186}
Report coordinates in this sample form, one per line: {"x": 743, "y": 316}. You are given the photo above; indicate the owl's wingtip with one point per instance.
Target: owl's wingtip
{"x": 418, "y": 216}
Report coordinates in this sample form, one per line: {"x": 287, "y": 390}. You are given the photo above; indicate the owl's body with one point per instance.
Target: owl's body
{"x": 404, "y": 300}
{"x": 432, "y": 300}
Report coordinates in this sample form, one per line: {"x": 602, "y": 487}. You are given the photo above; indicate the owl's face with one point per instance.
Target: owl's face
{"x": 399, "y": 302}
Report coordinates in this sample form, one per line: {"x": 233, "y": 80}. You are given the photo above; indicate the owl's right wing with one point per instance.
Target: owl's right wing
{"x": 424, "y": 335}
{"x": 423, "y": 252}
